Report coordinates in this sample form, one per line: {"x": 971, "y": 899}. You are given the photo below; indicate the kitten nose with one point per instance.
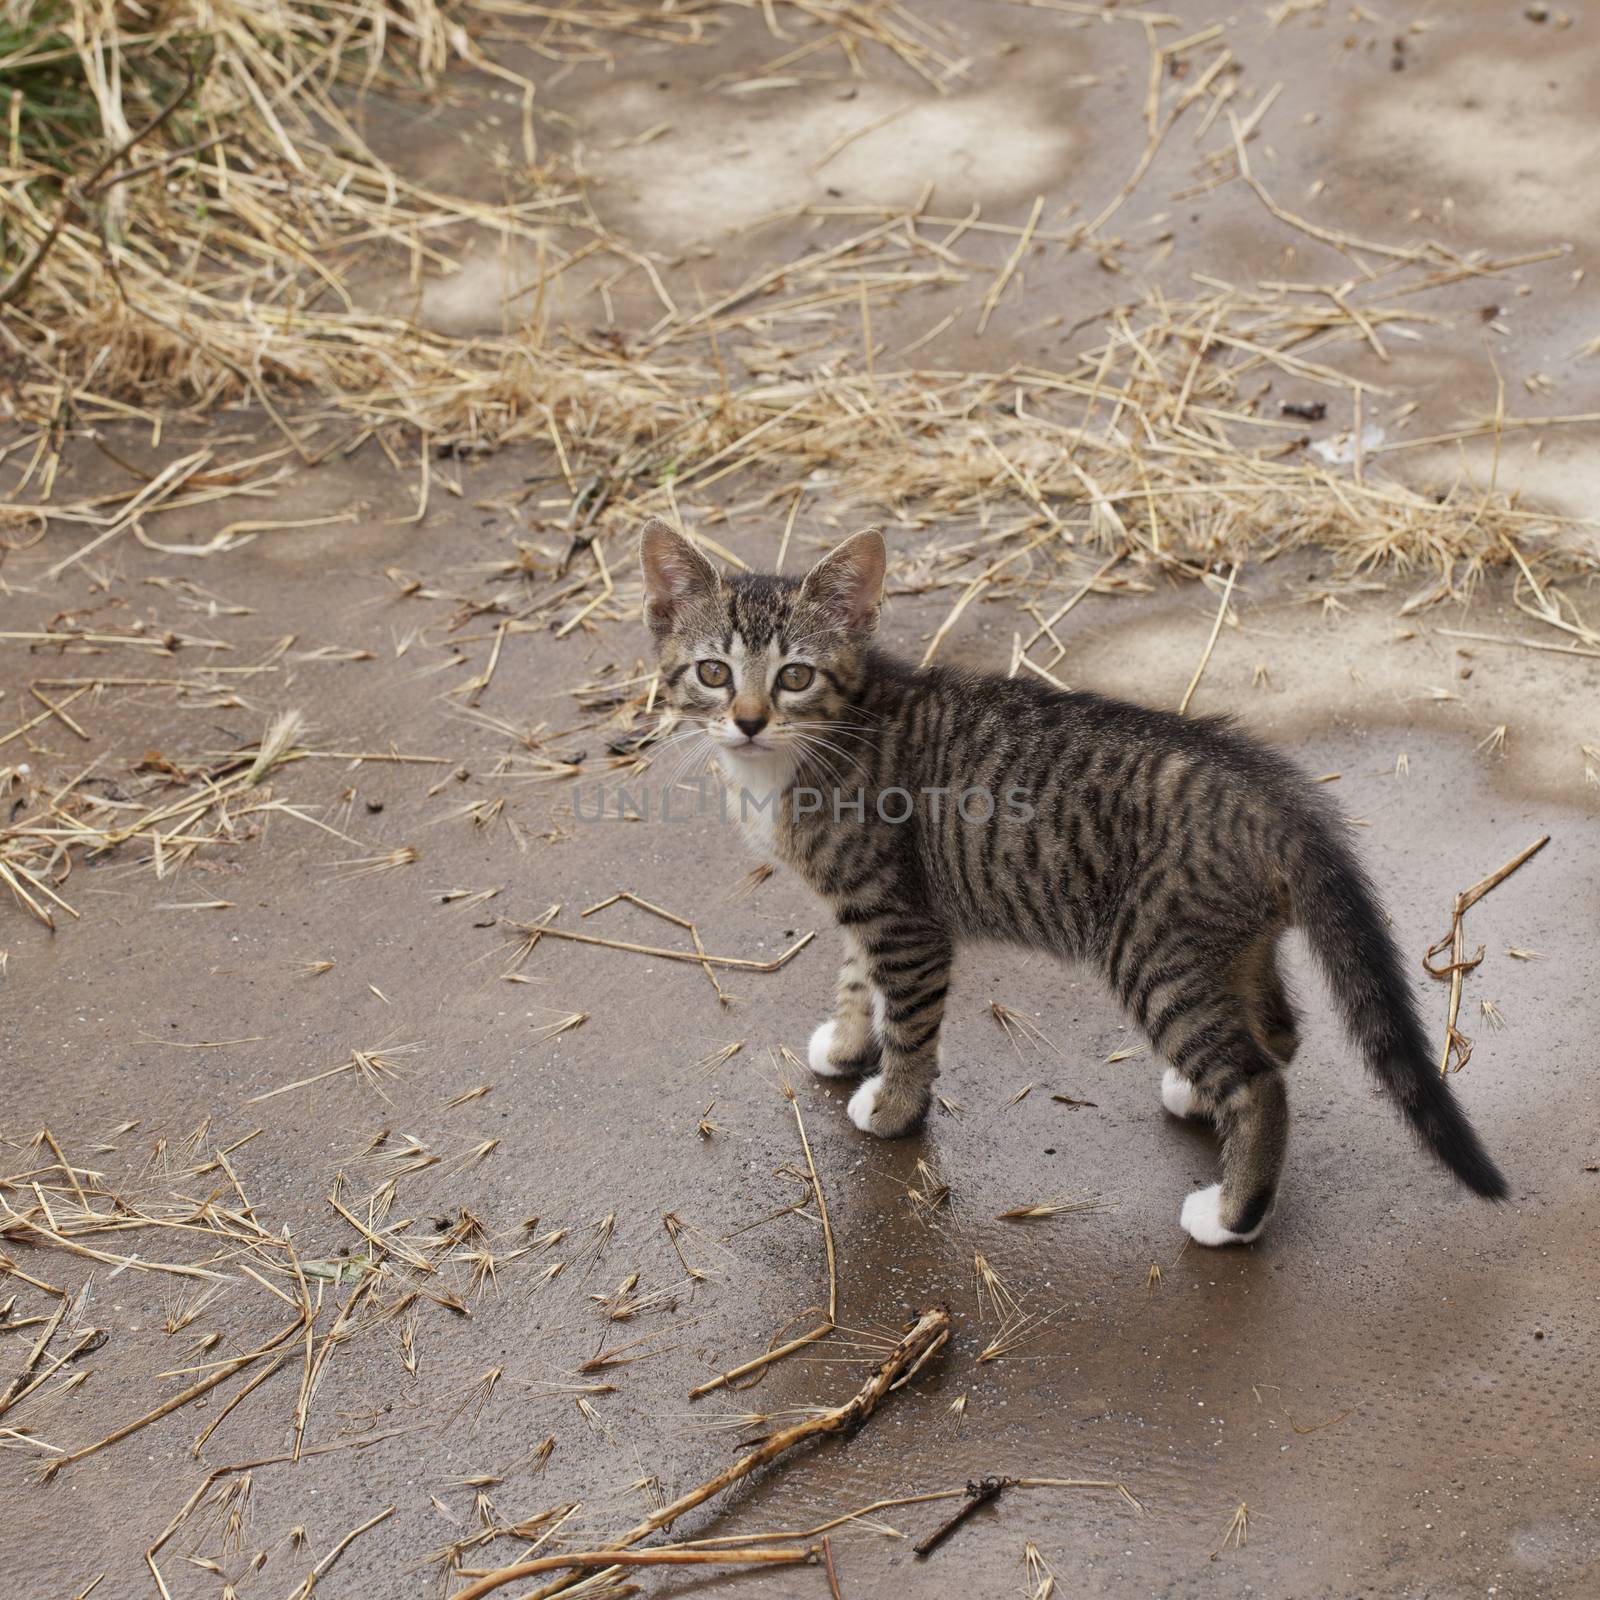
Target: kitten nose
{"x": 749, "y": 726}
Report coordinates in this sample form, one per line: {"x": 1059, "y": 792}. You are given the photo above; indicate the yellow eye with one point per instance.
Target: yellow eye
{"x": 714, "y": 674}
{"x": 797, "y": 675}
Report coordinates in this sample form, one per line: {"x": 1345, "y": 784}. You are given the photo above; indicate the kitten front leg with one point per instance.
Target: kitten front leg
{"x": 845, "y": 1046}
{"x": 908, "y": 966}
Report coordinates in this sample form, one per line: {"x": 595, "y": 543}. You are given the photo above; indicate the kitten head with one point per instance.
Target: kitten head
{"x": 758, "y": 660}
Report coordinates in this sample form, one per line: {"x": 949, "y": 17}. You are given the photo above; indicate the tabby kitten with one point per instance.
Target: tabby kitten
{"x": 932, "y": 806}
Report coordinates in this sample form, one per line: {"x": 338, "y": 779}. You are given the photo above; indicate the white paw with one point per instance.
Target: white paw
{"x": 864, "y": 1103}
{"x": 1201, "y": 1219}
{"x": 1178, "y": 1094}
{"x": 817, "y": 1052}
{"x": 885, "y": 1119}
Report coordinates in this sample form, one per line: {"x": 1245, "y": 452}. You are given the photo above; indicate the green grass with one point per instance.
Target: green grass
{"x": 50, "y": 121}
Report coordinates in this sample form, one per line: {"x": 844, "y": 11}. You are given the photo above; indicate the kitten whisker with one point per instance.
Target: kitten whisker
{"x": 814, "y": 744}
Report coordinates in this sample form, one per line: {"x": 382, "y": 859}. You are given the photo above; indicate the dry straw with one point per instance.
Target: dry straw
{"x": 211, "y": 259}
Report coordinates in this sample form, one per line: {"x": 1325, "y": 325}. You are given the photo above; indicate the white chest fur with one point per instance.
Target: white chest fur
{"x": 754, "y": 796}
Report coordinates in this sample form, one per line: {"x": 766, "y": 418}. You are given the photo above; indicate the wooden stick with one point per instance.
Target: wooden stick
{"x": 390, "y": 1246}
{"x": 844, "y": 141}
{"x": 10, "y": 1269}
{"x": 637, "y": 1558}
{"x": 822, "y": 1212}
{"x": 977, "y": 1495}
{"x": 998, "y": 287}
{"x": 39, "y": 1346}
{"x": 368, "y": 755}
{"x": 1456, "y": 1043}
{"x": 669, "y": 916}
{"x": 823, "y": 1528}
{"x": 1496, "y": 878}
{"x": 764, "y": 1360}
{"x": 834, "y": 1592}
{"x": 1340, "y": 241}
{"x": 330, "y": 1342}
{"x": 788, "y": 528}
{"x": 244, "y": 1394}
{"x": 92, "y": 1340}
{"x": 476, "y": 687}
{"x": 16, "y": 1219}
{"x": 969, "y": 594}
{"x": 1526, "y": 644}
{"x": 926, "y": 1334}
{"x": 66, "y": 1167}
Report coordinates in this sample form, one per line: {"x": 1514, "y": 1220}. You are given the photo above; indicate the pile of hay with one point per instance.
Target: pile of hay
{"x": 178, "y": 176}
{"x": 189, "y": 188}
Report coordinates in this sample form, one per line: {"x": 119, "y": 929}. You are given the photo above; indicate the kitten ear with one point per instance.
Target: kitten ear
{"x": 847, "y": 584}
{"x": 675, "y": 575}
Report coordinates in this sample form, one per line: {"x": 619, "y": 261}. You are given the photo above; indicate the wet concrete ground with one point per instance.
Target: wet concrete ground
{"x": 1395, "y": 1381}
{"x": 1444, "y": 1344}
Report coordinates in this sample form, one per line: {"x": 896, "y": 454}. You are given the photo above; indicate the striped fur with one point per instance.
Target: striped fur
{"x": 1171, "y": 853}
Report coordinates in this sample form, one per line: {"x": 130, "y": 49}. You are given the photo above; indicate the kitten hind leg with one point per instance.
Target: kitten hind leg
{"x": 1253, "y": 1120}
{"x": 845, "y": 1046}
{"x": 1269, "y": 1011}
{"x": 1208, "y": 1032}
{"x": 909, "y": 969}
{"x": 1280, "y": 1025}
{"x": 1251, "y": 1107}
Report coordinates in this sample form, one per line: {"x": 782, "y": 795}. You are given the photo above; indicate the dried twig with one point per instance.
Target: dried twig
{"x": 927, "y": 1334}
{"x": 1456, "y": 1044}
{"x": 979, "y": 1494}
{"x": 225, "y": 1371}
{"x": 309, "y": 1583}
{"x": 1211, "y": 643}
{"x": 834, "y": 1592}
{"x": 666, "y": 1556}
{"x": 534, "y": 932}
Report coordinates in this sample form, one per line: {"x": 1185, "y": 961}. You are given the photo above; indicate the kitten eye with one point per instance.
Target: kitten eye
{"x": 797, "y": 675}
{"x": 714, "y": 674}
